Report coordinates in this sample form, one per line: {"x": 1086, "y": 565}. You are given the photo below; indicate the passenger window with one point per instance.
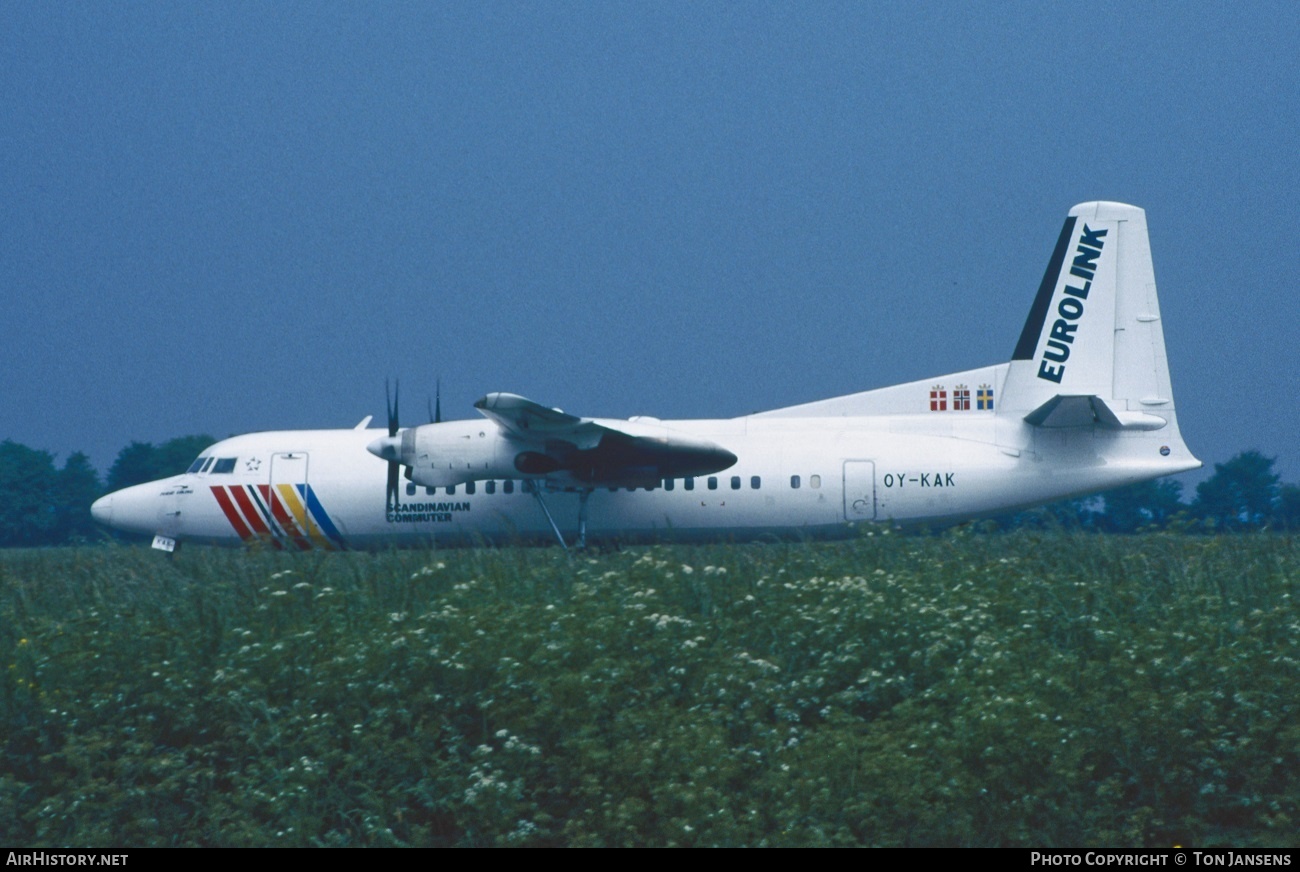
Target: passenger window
{"x": 688, "y": 483}
{"x": 490, "y": 487}
{"x": 430, "y": 491}
{"x": 814, "y": 481}
{"x": 713, "y": 482}
{"x": 224, "y": 465}
{"x": 668, "y": 484}
{"x": 410, "y": 489}
{"x": 735, "y": 482}
{"x": 755, "y": 482}
{"x": 794, "y": 482}
{"x": 508, "y": 485}
{"x": 469, "y": 487}
{"x": 451, "y": 489}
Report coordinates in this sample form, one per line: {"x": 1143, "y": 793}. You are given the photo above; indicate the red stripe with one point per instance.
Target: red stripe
{"x": 285, "y": 519}
{"x": 232, "y": 514}
{"x": 250, "y": 511}
{"x": 254, "y": 516}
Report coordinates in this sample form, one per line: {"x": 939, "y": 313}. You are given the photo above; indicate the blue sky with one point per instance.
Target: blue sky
{"x": 230, "y": 217}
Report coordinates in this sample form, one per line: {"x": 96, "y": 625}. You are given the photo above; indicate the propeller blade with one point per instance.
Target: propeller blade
{"x": 392, "y": 406}
{"x": 393, "y": 471}
{"x": 437, "y": 409}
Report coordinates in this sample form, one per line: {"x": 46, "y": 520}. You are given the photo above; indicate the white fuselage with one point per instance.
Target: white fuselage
{"x": 793, "y": 477}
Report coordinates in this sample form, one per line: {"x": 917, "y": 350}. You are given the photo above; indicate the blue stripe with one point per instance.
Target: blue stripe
{"x": 319, "y": 516}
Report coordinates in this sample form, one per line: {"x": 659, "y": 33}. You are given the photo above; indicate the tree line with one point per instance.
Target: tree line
{"x": 43, "y": 504}
{"x": 1243, "y": 494}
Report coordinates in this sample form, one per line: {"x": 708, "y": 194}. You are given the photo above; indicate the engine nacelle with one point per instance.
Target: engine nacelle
{"x": 441, "y": 455}
{"x": 591, "y": 453}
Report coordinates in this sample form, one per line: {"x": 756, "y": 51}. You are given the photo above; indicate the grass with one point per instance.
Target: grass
{"x": 1033, "y": 689}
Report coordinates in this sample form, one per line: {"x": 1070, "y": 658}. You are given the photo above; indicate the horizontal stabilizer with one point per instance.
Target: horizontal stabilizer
{"x": 1085, "y": 411}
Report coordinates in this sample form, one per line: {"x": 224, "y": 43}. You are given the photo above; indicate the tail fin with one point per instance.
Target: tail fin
{"x": 1094, "y": 329}
{"x": 1088, "y": 383}
{"x": 1091, "y": 358}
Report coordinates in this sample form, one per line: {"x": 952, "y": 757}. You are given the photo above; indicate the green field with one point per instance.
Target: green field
{"x": 1031, "y": 689}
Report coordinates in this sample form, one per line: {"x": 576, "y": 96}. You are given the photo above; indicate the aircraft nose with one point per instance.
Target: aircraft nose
{"x": 102, "y": 510}
{"x": 140, "y": 508}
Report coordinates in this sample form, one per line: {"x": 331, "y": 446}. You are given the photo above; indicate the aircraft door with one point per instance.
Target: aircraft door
{"x": 859, "y": 490}
{"x": 285, "y": 497}
{"x": 169, "y": 510}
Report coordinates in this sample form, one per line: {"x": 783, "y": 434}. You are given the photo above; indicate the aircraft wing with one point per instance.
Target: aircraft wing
{"x": 523, "y": 419}
{"x": 599, "y": 452}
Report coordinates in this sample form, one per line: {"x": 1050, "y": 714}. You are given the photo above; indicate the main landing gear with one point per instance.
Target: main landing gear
{"x": 583, "y": 495}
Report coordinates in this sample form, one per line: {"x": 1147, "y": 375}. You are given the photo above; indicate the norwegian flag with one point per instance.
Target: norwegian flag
{"x": 938, "y": 399}
{"x": 961, "y": 399}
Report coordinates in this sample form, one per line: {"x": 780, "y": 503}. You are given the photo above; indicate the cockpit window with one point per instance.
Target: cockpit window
{"x": 197, "y": 464}
{"x": 208, "y": 464}
{"x": 225, "y": 464}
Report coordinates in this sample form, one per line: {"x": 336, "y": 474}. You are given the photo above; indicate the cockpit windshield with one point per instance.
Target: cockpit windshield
{"x": 211, "y": 464}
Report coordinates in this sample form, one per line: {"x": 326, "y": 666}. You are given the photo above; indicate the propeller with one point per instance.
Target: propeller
{"x": 389, "y": 447}
{"x": 394, "y": 467}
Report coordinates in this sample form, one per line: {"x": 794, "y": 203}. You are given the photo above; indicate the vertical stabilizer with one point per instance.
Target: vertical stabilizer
{"x": 1091, "y": 358}
{"x": 1094, "y": 329}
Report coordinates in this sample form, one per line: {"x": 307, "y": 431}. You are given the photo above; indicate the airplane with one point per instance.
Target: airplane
{"x": 1083, "y": 405}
